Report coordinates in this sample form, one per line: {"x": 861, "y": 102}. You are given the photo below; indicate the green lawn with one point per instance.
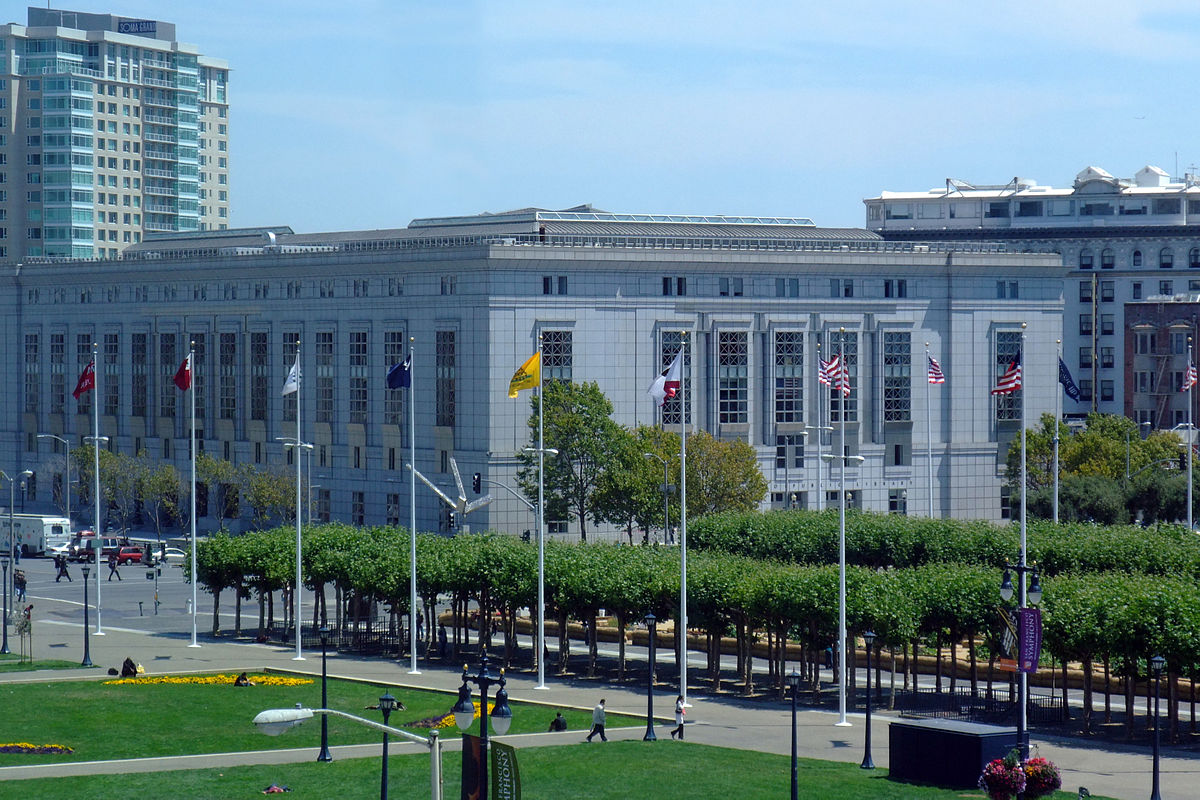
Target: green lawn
{"x": 103, "y": 722}
{"x": 664, "y": 770}
{"x": 13, "y": 663}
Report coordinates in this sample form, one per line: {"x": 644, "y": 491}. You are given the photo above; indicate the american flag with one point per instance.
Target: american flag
{"x": 841, "y": 379}
{"x": 827, "y": 371}
{"x": 1189, "y": 377}
{"x": 935, "y": 371}
{"x": 1010, "y": 381}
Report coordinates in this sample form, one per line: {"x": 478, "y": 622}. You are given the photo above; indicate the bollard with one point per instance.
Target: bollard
{"x": 140, "y": 608}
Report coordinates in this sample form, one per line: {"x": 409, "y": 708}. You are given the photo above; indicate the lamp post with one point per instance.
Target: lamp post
{"x": 290, "y": 442}
{"x": 87, "y": 654}
{"x": 387, "y": 704}
{"x": 843, "y": 458}
{"x": 650, "y": 737}
{"x": 666, "y": 494}
{"x": 1031, "y": 595}
{"x": 1156, "y": 667}
{"x": 8, "y": 558}
{"x": 275, "y": 721}
{"x": 67, "y": 477}
{"x": 464, "y": 712}
{"x": 324, "y": 755}
{"x": 867, "y": 763}
{"x": 793, "y": 681}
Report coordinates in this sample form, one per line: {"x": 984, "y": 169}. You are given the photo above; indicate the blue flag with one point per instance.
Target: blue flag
{"x": 1068, "y": 383}
{"x": 400, "y": 375}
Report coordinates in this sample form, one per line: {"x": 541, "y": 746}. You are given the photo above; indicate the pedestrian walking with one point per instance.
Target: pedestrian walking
{"x": 597, "y": 722}
{"x": 60, "y": 561}
{"x": 443, "y": 645}
{"x": 112, "y": 567}
{"x": 19, "y": 584}
{"x": 679, "y": 712}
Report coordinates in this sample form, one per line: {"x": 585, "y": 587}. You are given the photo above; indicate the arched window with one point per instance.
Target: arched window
{"x": 1085, "y": 259}
{"x": 1107, "y": 259}
{"x": 1137, "y": 258}
{"x": 1166, "y": 258}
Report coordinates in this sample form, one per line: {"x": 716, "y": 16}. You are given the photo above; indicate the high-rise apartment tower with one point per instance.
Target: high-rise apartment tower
{"x": 109, "y": 129}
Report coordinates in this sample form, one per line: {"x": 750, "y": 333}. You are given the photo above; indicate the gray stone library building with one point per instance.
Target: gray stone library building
{"x": 609, "y": 293}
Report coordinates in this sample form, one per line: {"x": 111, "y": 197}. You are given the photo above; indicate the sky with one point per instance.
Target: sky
{"x": 365, "y": 114}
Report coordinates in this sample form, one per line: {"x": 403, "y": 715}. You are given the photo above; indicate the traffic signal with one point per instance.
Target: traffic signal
{"x": 452, "y": 520}
{"x": 477, "y": 482}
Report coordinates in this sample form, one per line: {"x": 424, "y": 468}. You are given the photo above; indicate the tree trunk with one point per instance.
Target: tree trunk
{"x": 1129, "y": 692}
{"x": 216, "y": 626}
{"x": 1087, "y": 694}
{"x": 564, "y": 643}
{"x": 1066, "y": 708}
{"x": 953, "y": 663}
{"x": 974, "y": 665}
{"x": 620, "y": 645}
{"x": 904, "y": 666}
{"x": 892, "y": 681}
{"x": 1107, "y": 694}
{"x": 938, "y": 666}
{"x": 1173, "y": 706}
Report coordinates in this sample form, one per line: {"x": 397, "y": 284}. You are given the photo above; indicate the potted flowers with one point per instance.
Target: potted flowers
{"x": 1005, "y": 778}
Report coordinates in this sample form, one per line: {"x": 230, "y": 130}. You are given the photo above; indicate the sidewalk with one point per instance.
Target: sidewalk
{"x": 727, "y": 721}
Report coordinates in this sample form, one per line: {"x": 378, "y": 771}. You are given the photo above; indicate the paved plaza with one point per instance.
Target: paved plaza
{"x": 161, "y": 643}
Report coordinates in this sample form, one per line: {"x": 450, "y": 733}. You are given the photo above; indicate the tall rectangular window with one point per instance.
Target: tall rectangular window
{"x": 139, "y": 363}
{"x": 789, "y": 376}
{"x": 325, "y": 369}
{"x": 845, "y": 343}
{"x": 260, "y": 368}
{"x": 291, "y": 341}
{"x": 393, "y": 508}
{"x": 674, "y": 407}
{"x": 394, "y": 352}
{"x": 789, "y": 451}
{"x": 167, "y": 357}
{"x": 199, "y": 382}
{"x": 58, "y": 372}
{"x": 897, "y": 376}
{"x": 674, "y": 286}
{"x": 358, "y": 506}
{"x": 445, "y": 370}
{"x": 83, "y": 355}
{"x": 358, "y": 377}
{"x": 32, "y": 373}
{"x": 733, "y": 370}
{"x": 112, "y": 376}
{"x": 1008, "y": 346}
{"x": 227, "y": 376}
{"x": 556, "y": 356}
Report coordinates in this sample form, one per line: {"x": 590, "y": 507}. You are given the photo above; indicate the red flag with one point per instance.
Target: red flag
{"x": 87, "y": 380}
{"x": 183, "y": 376}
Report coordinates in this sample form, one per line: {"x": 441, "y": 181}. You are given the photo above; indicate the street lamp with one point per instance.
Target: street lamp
{"x": 650, "y": 737}
{"x": 67, "y": 486}
{"x": 325, "y": 755}
{"x": 867, "y": 763}
{"x": 87, "y": 655}
{"x": 275, "y": 721}
{"x": 464, "y": 712}
{"x": 9, "y": 556}
{"x": 843, "y": 458}
{"x": 1033, "y": 596}
{"x": 541, "y": 450}
{"x": 299, "y": 587}
{"x": 793, "y": 681}
{"x": 1156, "y": 667}
{"x": 387, "y": 704}
{"x": 666, "y": 494}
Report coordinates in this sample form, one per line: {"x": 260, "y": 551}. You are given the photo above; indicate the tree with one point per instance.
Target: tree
{"x": 629, "y": 493}
{"x": 222, "y": 479}
{"x": 271, "y": 493}
{"x": 159, "y": 492}
{"x": 722, "y": 476}
{"x": 85, "y": 459}
{"x": 579, "y": 426}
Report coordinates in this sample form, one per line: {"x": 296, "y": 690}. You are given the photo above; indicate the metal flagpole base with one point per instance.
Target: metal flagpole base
{"x": 193, "y": 645}
{"x": 843, "y": 724}
{"x": 414, "y": 672}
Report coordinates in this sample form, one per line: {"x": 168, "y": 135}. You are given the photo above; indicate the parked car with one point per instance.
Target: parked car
{"x": 127, "y": 555}
{"x": 174, "y": 556}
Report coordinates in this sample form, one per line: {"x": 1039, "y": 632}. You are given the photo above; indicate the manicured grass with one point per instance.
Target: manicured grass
{"x": 613, "y": 771}
{"x": 13, "y": 663}
{"x": 103, "y": 722}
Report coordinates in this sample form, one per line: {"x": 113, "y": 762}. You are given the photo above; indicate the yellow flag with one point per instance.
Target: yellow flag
{"x": 528, "y": 376}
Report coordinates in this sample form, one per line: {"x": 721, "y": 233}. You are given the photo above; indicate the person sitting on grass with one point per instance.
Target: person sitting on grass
{"x": 243, "y": 680}
{"x": 559, "y": 723}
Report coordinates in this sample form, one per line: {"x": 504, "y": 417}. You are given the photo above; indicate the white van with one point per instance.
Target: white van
{"x": 34, "y": 533}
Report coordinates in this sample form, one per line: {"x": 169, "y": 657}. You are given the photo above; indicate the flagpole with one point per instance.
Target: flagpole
{"x": 299, "y": 586}
{"x": 845, "y": 376}
{"x": 681, "y": 634}
{"x": 1024, "y": 677}
{"x": 928, "y": 430}
{"x": 412, "y": 515}
{"x": 96, "y": 476}
{"x": 1057, "y": 416}
{"x": 191, "y": 365}
{"x": 1190, "y": 442}
{"x": 820, "y": 429}
{"x": 541, "y": 523}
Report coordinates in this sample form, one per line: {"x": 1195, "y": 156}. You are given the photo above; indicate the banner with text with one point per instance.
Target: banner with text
{"x": 506, "y": 778}
{"x": 1029, "y": 639}
{"x": 470, "y": 767}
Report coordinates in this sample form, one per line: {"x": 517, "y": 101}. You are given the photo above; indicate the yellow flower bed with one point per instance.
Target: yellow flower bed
{"x": 214, "y": 680}
{"x": 26, "y": 747}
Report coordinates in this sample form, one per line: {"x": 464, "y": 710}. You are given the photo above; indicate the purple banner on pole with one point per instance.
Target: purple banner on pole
{"x": 1029, "y": 639}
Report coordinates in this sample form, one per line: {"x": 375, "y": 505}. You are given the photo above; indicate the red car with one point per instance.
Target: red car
{"x": 128, "y": 555}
